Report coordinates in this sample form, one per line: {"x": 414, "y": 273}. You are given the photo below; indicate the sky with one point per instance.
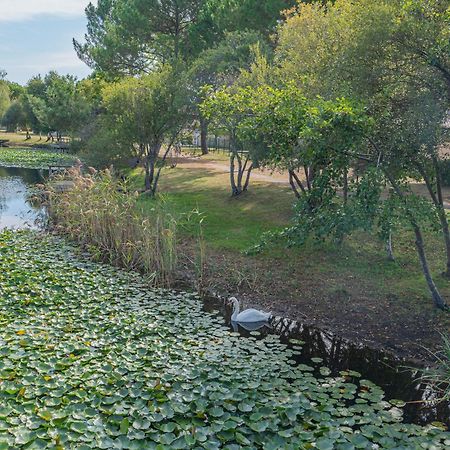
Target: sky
{"x": 36, "y": 37}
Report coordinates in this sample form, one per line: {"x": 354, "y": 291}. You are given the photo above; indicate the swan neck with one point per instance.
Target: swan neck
{"x": 235, "y": 310}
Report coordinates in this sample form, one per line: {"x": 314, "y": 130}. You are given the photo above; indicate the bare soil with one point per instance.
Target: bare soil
{"x": 341, "y": 303}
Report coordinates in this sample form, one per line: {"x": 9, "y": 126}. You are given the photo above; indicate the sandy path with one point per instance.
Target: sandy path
{"x": 279, "y": 178}
{"x": 190, "y": 162}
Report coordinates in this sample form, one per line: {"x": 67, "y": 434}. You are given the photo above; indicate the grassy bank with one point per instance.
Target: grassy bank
{"x": 351, "y": 288}
{"x": 93, "y": 358}
{"x": 20, "y": 139}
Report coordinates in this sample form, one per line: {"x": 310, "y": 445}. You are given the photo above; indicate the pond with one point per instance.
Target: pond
{"x": 16, "y": 211}
{"x": 105, "y": 360}
{"x": 397, "y": 377}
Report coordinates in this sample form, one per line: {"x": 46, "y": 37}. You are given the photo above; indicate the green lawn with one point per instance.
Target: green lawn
{"x": 20, "y": 140}
{"x": 351, "y": 284}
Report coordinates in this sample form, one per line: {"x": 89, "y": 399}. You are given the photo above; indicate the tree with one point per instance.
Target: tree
{"x": 148, "y": 111}
{"x": 14, "y": 117}
{"x": 218, "y": 67}
{"x": 130, "y": 37}
{"x": 355, "y": 48}
{"x": 222, "y": 16}
{"x": 4, "y": 97}
{"x": 61, "y": 107}
{"x": 228, "y": 109}
{"x": 424, "y": 32}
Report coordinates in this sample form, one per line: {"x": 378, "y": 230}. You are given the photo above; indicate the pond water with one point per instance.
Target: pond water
{"x": 16, "y": 211}
{"x": 388, "y": 372}
{"x": 397, "y": 377}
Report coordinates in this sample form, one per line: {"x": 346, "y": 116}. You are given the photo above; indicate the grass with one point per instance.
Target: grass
{"x": 96, "y": 213}
{"x": 19, "y": 139}
{"x": 230, "y": 223}
{"x": 339, "y": 286}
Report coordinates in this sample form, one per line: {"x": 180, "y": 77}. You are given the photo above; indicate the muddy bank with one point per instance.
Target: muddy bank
{"x": 399, "y": 378}
{"x": 347, "y": 307}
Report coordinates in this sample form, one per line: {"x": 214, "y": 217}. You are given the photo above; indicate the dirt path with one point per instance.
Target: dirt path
{"x": 280, "y": 178}
{"x": 192, "y": 162}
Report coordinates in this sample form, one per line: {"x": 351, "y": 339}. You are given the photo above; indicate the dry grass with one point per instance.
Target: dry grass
{"x": 20, "y": 139}
{"x": 100, "y": 213}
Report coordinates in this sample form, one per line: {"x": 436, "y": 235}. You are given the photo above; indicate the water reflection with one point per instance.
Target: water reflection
{"x": 382, "y": 368}
{"x": 15, "y": 209}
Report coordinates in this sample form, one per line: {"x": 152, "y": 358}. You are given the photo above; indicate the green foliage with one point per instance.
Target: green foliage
{"x": 102, "y": 361}
{"x": 222, "y": 64}
{"x": 16, "y": 90}
{"x": 60, "y": 107}
{"x": 148, "y": 109}
{"x": 14, "y": 117}
{"x": 220, "y": 17}
{"x": 128, "y": 37}
{"x": 33, "y": 159}
{"x": 104, "y": 145}
{"x": 146, "y": 112}
{"x": 5, "y": 99}
{"x": 284, "y": 129}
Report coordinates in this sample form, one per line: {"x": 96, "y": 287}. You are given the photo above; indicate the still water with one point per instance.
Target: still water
{"x": 16, "y": 211}
{"x": 397, "y": 377}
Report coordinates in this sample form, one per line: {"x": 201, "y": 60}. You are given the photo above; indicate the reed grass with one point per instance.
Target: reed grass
{"x": 438, "y": 375}
{"x": 103, "y": 215}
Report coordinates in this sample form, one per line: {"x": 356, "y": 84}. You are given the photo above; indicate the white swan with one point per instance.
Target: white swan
{"x": 247, "y": 316}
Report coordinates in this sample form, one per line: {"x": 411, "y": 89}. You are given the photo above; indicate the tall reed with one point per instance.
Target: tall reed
{"x": 98, "y": 211}
{"x": 439, "y": 374}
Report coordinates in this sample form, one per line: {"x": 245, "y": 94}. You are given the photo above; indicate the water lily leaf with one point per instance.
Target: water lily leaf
{"x": 124, "y": 425}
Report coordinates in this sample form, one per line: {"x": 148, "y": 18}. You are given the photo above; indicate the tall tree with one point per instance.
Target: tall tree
{"x": 127, "y": 37}
{"x": 358, "y": 48}
{"x": 148, "y": 112}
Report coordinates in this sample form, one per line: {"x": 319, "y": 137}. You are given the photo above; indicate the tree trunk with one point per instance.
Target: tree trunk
{"x": 238, "y": 185}
{"x": 247, "y": 180}
{"x": 234, "y": 189}
{"x": 204, "y": 136}
{"x": 292, "y": 183}
{"x": 438, "y": 301}
{"x": 149, "y": 173}
{"x": 436, "y": 197}
{"x": 150, "y": 164}
{"x": 158, "y": 174}
{"x": 389, "y": 250}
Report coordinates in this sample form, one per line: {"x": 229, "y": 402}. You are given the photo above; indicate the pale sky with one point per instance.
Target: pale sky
{"x": 36, "y": 37}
